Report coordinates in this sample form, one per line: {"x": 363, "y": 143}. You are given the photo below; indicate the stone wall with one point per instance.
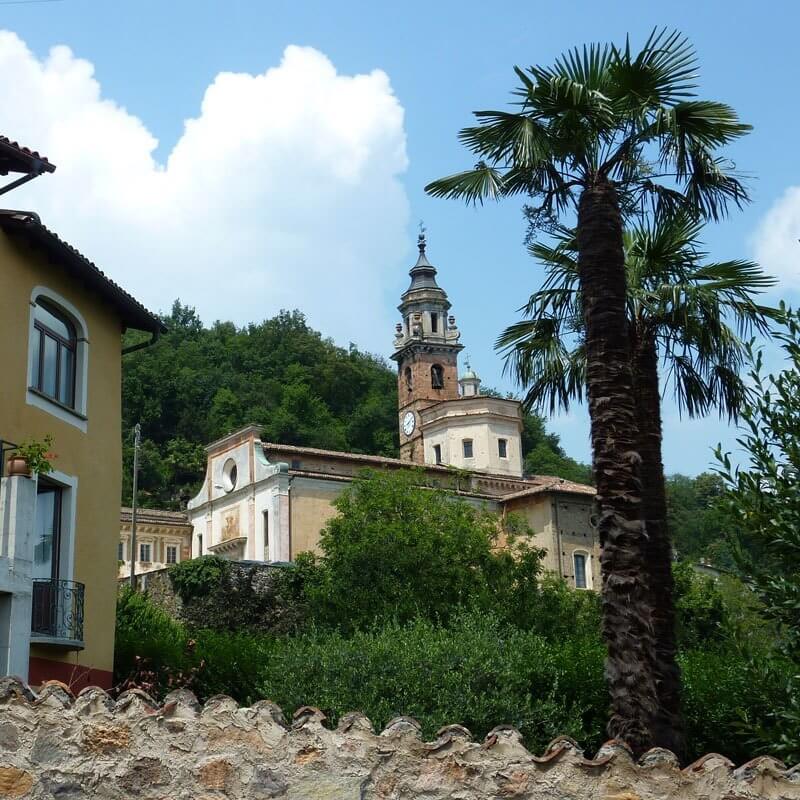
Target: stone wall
{"x": 54, "y": 745}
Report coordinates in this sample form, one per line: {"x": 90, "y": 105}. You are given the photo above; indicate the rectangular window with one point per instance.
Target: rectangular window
{"x": 467, "y": 448}
{"x": 437, "y": 453}
{"x": 120, "y": 551}
{"x": 502, "y": 448}
{"x": 144, "y": 552}
{"x": 172, "y": 554}
{"x": 266, "y": 536}
{"x": 434, "y": 323}
{"x": 580, "y": 570}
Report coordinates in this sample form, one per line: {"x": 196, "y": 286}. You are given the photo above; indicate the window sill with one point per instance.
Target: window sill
{"x": 56, "y": 404}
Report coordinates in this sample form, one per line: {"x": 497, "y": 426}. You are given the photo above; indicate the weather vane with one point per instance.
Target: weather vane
{"x": 421, "y": 237}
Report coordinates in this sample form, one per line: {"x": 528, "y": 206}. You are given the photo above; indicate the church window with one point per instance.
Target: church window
{"x": 502, "y": 448}
{"x": 437, "y": 453}
{"x": 409, "y": 378}
{"x": 434, "y": 322}
{"x": 266, "y": 536}
{"x": 467, "y": 448}
{"x": 579, "y": 559}
{"x": 437, "y": 376}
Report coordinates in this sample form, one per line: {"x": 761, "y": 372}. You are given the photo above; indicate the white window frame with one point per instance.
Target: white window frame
{"x": 176, "y": 548}
{"x": 76, "y": 416}
{"x": 145, "y": 560}
{"x": 471, "y": 448}
{"x": 504, "y": 443}
{"x": 587, "y": 566}
{"x": 121, "y": 550}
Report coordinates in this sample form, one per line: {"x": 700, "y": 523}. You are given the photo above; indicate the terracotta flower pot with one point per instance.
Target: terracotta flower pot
{"x": 18, "y": 466}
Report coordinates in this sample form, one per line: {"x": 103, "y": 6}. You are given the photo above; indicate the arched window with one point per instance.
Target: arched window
{"x": 582, "y": 577}
{"x": 437, "y": 376}
{"x": 54, "y": 354}
{"x": 409, "y": 378}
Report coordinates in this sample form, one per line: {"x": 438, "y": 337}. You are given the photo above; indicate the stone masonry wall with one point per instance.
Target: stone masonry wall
{"x": 54, "y": 745}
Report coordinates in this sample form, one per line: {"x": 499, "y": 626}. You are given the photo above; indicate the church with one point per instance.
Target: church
{"x": 262, "y": 501}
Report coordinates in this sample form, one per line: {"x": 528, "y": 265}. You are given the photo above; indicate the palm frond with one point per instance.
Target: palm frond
{"x": 473, "y": 186}
{"x": 535, "y": 353}
{"x": 661, "y": 73}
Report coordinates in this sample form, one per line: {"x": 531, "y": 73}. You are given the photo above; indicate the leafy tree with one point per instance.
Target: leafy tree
{"x": 684, "y": 320}
{"x": 697, "y": 525}
{"x": 764, "y": 497}
{"x": 608, "y": 132}
{"x": 398, "y": 551}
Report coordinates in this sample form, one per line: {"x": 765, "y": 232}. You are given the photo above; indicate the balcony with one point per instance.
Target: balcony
{"x": 57, "y": 617}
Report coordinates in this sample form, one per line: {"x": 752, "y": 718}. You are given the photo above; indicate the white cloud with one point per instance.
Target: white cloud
{"x": 283, "y": 192}
{"x": 776, "y": 239}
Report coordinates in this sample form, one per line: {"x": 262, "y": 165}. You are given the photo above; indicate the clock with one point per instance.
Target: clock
{"x": 409, "y": 423}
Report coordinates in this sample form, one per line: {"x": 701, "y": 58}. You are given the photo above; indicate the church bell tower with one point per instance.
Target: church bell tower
{"x": 426, "y": 350}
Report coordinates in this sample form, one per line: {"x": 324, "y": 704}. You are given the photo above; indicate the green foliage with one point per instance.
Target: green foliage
{"x": 697, "y": 523}
{"x": 763, "y": 497}
{"x": 198, "y": 383}
{"x": 477, "y": 670}
{"x": 199, "y": 577}
{"x": 37, "y": 454}
{"x": 398, "y": 551}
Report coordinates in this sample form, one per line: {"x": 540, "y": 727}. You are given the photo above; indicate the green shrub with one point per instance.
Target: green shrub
{"x": 199, "y": 577}
{"x": 477, "y": 672}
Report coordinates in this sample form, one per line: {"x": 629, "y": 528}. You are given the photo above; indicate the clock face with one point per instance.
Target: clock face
{"x": 409, "y": 423}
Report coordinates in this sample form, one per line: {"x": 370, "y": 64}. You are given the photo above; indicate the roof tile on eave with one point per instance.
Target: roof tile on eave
{"x": 25, "y": 155}
{"x": 29, "y": 224}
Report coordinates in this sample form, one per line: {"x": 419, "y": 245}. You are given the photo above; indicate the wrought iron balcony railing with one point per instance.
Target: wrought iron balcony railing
{"x": 58, "y": 610}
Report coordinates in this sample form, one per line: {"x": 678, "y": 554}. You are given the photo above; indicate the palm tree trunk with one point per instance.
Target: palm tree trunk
{"x": 627, "y": 616}
{"x": 668, "y": 729}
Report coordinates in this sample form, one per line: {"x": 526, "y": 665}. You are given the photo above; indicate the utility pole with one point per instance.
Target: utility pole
{"x": 137, "y": 442}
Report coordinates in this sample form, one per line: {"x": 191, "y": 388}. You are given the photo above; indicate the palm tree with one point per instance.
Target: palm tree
{"x": 609, "y": 133}
{"x": 683, "y": 313}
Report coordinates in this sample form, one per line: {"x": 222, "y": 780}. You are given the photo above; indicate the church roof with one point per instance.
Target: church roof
{"x": 534, "y": 484}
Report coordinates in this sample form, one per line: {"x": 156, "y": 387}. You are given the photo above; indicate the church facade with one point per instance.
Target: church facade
{"x": 263, "y": 501}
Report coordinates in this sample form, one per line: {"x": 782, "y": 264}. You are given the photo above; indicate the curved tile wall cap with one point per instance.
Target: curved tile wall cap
{"x": 56, "y": 745}
{"x": 659, "y": 757}
{"x": 355, "y": 721}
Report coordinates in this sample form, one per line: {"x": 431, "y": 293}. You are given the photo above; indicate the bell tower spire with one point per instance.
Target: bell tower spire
{"x": 426, "y": 348}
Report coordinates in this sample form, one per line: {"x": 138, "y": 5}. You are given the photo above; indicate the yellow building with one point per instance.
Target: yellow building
{"x": 163, "y": 538}
{"x": 61, "y": 321}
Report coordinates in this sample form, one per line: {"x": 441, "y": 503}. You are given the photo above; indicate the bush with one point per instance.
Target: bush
{"x": 199, "y": 577}
{"x": 479, "y": 670}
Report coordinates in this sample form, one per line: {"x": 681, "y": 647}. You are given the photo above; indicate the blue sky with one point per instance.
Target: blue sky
{"x": 442, "y": 60}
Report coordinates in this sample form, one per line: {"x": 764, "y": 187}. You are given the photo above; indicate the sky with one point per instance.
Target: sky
{"x": 250, "y": 156}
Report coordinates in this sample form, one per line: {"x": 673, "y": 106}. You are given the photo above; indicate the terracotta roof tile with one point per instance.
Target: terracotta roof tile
{"x": 132, "y": 312}
{"x": 154, "y": 516}
{"x": 16, "y": 158}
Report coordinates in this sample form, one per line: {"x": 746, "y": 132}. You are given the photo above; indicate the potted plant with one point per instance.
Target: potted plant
{"x": 32, "y": 456}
